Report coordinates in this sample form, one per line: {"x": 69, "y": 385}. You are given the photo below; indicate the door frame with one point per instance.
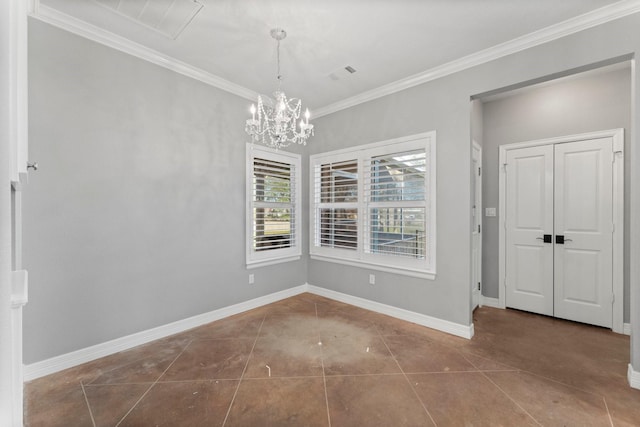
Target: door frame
{"x": 618, "y": 214}
{"x": 13, "y": 174}
{"x": 477, "y": 220}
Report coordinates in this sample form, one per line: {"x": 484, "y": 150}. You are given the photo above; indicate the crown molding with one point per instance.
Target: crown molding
{"x": 91, "y": 32}
{"x": 571, "y": 26}
{"x": 588, "y": 20}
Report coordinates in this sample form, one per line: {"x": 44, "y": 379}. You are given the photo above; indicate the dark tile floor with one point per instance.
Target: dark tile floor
{"x": 311, "y": 361}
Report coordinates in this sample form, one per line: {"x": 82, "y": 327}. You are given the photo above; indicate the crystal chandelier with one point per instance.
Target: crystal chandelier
{"x": 276, "y": 124}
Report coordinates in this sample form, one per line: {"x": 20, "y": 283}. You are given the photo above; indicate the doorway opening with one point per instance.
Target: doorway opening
{"x": 575, "y": 102}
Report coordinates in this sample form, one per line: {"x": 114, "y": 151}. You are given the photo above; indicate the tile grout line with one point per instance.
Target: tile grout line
{"x": 154, "y": 383}
{"x": 125, "y": 383}
{"x": 473, "y": 364}
{"x": 391, "y": 374}
{"x": 415, "y": 392}
{"x": 138, "y": 359}
{"x": 514, "y": 369}
{"x": 469, "y": 352}
{"x": 511, "y": 399}
{"x": 607, "y": 408}
{"x": 457, "y": 372}
{"x": 560, "y": 383}
{"x": 324, "y": 378}
{"x": 235, "y": 393}
{"x": 86, "y": 399}
{"x": 497, "y": 386}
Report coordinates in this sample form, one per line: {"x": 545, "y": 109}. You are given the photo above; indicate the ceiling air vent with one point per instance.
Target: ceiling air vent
{"x": 169, "y": 17}
{"x": 342, "y": 73}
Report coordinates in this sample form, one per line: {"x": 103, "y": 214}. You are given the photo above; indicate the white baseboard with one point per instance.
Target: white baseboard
{"x": 626, "y": 328}
{"x": 490, "y": 302}
{"x": 452, "y": 328}
{"x": 633, "y": 377}
{"x": 69, "y": 360}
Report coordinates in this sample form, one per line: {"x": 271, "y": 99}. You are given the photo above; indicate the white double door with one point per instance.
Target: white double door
{"x": 559, "y": 217}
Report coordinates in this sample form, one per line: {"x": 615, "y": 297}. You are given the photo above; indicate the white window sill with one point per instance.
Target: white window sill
{"x": 421, "y": 274}
{"x": 272, "y": 261}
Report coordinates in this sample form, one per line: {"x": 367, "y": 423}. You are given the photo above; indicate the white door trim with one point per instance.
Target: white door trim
{"x": 477, "y": 222}
{"x": 13, "y": 167}
{"x": 618, "y": 214}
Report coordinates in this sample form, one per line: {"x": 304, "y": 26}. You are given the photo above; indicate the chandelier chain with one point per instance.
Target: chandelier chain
{"x": 278, "y": 62}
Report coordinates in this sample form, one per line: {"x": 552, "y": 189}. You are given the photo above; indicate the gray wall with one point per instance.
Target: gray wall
{"x": 583, "y": 104}
{"x": 432, "y": 106}
{"x": 443, "y": 105}
{"x": 136, "y": 216}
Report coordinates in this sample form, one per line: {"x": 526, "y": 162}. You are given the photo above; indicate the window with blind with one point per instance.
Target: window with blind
{"x": 273, "y": 201}
{"x": 338, "y": 205}
{"x": 375, "y": 205}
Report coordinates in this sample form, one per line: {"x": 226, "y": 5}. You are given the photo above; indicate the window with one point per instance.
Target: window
{"x": 375, "y": 205}
{"x": 273, "y": 206}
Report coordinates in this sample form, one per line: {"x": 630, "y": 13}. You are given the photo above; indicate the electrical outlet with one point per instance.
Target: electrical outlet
{"x": 372, "y": 279}
{"x": 252, "y": 279}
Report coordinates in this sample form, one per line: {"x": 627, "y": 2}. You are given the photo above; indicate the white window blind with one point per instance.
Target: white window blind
{"x": 337, "y": 208}
{"x": 273, "y": 205}
{"x": 395, "y": 190}
{"x": 375, "y": 205}
{"x": 273, "y": 213}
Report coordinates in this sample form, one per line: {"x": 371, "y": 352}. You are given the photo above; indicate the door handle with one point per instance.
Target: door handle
{"x": 546, "y": 238}
{"x": 560, "y": 239}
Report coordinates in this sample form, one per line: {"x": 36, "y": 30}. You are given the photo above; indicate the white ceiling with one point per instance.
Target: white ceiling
{"x": 385, "y": 41}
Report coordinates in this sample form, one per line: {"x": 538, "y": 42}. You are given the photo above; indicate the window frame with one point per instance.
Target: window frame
{"x": 362, "y": 256}
{"x": 262, "y": 258}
